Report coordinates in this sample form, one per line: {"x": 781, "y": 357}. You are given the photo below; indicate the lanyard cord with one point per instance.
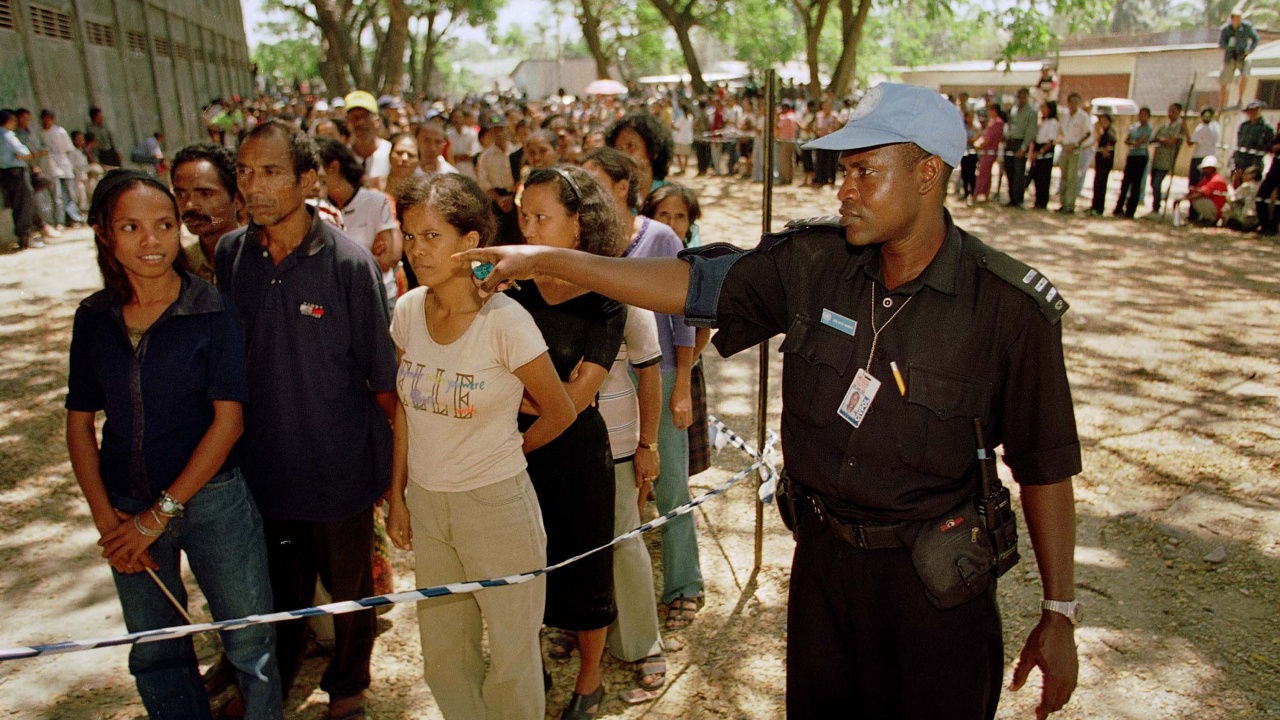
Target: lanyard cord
{"x": 875, "y": 332}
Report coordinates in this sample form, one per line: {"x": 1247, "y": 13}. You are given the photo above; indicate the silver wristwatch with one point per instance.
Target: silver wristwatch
{"x": 1070, "y": 609}
{"x": 168, "y": 506}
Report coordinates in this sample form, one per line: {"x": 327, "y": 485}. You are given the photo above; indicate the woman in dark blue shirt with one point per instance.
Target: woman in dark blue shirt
{"x": 159, "y": 351}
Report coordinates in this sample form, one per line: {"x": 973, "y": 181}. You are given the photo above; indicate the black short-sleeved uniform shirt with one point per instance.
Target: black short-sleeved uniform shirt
{"x": 316, "y": 445}
{"x": 976, "y": 335}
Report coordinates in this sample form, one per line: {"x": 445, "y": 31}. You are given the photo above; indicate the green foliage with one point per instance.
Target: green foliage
{"x": 764, "y": 33}
{"x": 290, "y": 58}
{"x": 1032, "y": 28}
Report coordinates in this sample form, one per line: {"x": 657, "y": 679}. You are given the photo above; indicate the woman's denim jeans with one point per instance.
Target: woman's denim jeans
{"x": 221, "y": 535}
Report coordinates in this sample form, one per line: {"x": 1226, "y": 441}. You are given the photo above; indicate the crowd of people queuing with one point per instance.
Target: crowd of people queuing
{"x": 1025, "y": 140}
{"x": 316, "y": 351}
{"x": 314, "y": 376}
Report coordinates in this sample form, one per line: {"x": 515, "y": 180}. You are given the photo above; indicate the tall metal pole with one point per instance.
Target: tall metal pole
{"x": 766, "y": 226}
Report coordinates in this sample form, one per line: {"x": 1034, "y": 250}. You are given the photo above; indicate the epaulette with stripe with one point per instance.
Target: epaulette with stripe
{"x": 822, "y": 222}
{"x": 819, "y": 221}
{"x": 1028, "y": 280}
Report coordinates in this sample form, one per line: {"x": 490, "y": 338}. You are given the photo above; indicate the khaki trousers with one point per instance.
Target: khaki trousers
{"x": 634, "y": 635}
{"x": 490, "y": 532}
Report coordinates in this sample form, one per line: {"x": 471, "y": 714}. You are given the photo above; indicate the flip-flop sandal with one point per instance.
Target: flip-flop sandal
{"x": 681, "y": 612}
{"x": 636, "y": 696}
{"x": 651, "y": 673}
{"x": 563, "y": 643}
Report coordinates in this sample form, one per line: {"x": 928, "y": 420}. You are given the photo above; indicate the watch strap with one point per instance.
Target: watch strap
{"x": 1070, "y": 609}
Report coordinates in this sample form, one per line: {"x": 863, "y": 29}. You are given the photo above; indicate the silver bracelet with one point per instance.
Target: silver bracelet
{"x": 156, "y": 516}
{"x": 137, "y": 525}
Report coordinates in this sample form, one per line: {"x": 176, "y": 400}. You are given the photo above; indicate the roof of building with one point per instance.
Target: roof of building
{"x": 974, "y": 66}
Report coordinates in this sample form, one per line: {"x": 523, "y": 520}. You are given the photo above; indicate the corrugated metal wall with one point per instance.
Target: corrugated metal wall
{"x": 149, "y": 64}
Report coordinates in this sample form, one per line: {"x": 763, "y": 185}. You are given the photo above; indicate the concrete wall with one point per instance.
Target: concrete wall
{"x": 149, "y": 64}
{"x": 1165, "y": 77}
{"x": 1094, "y": 86}
{"x": 538, "y": 78}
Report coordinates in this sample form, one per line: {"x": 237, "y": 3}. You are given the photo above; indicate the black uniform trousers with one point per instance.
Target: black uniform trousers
{"x": 1042, "y": 175}
{"x": 17, "y": 194}
{"x": 1015, "y": 168}
{"x": 1131, "y": 185}
{"x": 969, "y": 173}
{"x": 1101, "y": 174}
{"x": 1268, "y": 216}
{"x": 863, "y": 642}
{"x": 340, "y": 554}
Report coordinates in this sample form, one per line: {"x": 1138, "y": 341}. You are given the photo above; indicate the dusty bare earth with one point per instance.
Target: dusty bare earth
{"x": 1172, "y": 345}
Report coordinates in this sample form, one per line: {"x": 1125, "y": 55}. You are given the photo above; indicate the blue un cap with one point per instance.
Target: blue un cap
{"x": 892, "y": 113}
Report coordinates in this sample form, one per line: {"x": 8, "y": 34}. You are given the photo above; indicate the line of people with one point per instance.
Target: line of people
{"x": 262, "y": 396}
{"x": 1028, "y": 141}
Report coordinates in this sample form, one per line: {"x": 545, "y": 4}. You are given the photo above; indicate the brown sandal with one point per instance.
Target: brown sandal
{"x": 681, "y": 612}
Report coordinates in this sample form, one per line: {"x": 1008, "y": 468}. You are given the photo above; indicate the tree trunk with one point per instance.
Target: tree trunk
{"x": 852, "y": 26}
{"x": 429, "y": 55}
{"x": 332, "y": 71}
{"x": 414, "y": 78}
{"x": 345, "y": 49}
{"x": 393, "y": 47}
{"x": 682, "y": 21}
{"x": 589, "y": 19}
{"x": 813, "y": 33}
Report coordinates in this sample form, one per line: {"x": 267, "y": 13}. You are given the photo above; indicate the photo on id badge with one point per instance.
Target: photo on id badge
{"x": 857, "y": 401}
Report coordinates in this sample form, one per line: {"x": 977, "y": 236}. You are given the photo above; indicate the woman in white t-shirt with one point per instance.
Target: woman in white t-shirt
{"x": 460, "y": 496}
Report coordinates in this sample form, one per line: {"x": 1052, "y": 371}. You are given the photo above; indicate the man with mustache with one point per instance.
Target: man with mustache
{"x": 321, "y": 368}
{"x": 911, "y": 351}
{"x": 204, "y": 182}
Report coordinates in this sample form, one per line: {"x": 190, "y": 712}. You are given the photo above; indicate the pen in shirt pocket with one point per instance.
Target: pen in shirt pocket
{"x": 897, "y": 376}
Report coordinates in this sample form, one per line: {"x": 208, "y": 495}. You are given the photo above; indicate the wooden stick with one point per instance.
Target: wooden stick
{"x": 762, "y": 389}
{"x": 169, "y": 595}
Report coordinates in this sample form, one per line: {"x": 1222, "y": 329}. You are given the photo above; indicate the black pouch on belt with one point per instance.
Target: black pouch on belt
{"x": 786, "y": 499}
{"x": 952, "y": 555}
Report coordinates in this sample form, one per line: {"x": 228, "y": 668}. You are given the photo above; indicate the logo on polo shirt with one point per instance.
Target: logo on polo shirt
{"x": 311, "y": 310}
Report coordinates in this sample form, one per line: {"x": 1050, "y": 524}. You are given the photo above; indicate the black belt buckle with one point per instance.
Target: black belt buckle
{"x": 860, "y": 537}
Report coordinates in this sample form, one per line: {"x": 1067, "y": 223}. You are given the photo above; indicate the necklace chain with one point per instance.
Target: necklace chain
{"x": 875, "y": 331}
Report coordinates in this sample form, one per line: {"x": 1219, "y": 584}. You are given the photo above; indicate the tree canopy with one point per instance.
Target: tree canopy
{"x": 397, "y": 45}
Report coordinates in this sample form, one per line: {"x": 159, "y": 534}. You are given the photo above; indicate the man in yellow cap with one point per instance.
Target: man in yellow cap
{"x": 373, "y": 151}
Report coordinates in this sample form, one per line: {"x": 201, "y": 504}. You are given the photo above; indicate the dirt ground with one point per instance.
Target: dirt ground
{"x": 1172, "y": 345}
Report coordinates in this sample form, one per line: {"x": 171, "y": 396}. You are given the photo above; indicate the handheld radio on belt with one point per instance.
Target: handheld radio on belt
{"x": 995, "y": 508}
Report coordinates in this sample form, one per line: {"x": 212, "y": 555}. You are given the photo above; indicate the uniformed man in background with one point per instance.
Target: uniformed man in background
{"x": 911, "y": 350}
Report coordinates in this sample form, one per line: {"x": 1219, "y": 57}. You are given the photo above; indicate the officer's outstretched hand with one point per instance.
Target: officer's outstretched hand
{"x": 1051, "y": 646}
{"x": 510, "y": 262}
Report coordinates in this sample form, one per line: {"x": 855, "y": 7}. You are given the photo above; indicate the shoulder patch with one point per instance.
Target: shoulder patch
{"x": 1028, "y": 280}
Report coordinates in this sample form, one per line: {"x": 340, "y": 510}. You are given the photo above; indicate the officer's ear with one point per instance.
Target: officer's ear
{"x": 931, "y": 175}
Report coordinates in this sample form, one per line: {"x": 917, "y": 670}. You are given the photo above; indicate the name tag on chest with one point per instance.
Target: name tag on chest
{"x": 839, "y": 322}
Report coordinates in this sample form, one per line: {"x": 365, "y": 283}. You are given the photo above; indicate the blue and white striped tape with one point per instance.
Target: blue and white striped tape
{"x": 721, "y": 435}
{"x": 339, "y": 608}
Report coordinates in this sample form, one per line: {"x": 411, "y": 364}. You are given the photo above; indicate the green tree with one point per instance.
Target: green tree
{"x": 683, "y": 16}
{"x": 289, "y": 59}
{"x": 436, "y": 18}
{"x": 628, "y": 32}
{"x": 756, "y": 30}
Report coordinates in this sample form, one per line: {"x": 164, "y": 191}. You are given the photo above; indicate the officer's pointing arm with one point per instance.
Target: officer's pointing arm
{"x": 658, "y": 284}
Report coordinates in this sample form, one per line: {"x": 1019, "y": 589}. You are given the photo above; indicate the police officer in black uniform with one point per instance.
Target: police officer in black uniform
{"x": 911, "y": 351}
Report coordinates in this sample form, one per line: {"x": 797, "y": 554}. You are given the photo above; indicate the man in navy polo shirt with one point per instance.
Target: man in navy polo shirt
{"x": 321, "y": 369}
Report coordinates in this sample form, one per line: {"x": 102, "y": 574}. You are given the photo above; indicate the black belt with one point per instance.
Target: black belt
{"x": 860, "y": 535}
